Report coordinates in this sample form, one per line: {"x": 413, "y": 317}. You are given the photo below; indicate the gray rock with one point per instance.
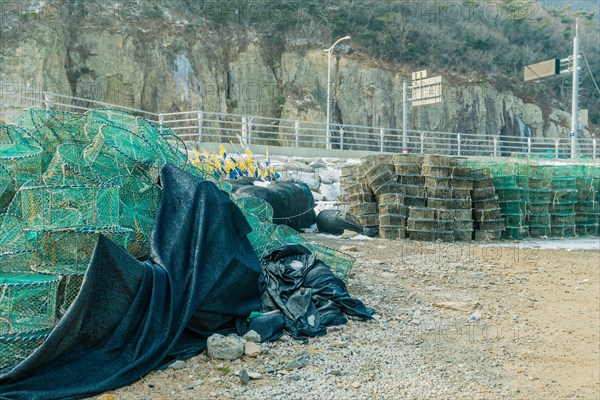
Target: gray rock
{"x": 252, "y": 336}
{"x": 254, "y": 375}
{"x": 244, "y": 377}
{"x": 225, "y": 347}
{"x": 348, "y": 234}
{"x": 317, "y": 164}
{"x": 477, "y": 275}
{"x": 177, "y": 365}
{"x": 300, "y": 361}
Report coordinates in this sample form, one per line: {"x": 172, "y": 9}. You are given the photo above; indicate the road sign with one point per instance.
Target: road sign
{"x": 542, "y": 69}
{"x": 426, "y": 90}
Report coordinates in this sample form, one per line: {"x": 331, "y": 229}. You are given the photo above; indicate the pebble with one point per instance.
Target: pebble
{"x": 252, "y": 349}
{"x": 177, "y": 365}
{"x": 252, "y": 336}
{"x": 349, "y": 248}
{"x": 300, "y": 361}
{"x": 348, "y": 234}
{"x": 244, "y": 377}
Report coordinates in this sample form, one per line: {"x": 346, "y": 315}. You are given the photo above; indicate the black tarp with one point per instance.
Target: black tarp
{"x": 309, "y": 295}
{"x": 293, "y": 203}
{"x": 335, "y": 222}
{"x": 132, "y": 317}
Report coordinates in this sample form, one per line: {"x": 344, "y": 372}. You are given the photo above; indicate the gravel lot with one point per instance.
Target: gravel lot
{"x": 537, "y": 337}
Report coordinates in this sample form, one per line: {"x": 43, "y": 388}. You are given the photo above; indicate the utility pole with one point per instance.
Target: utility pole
{"x": 404, "y": 117}
{"x": 575, "y": 98}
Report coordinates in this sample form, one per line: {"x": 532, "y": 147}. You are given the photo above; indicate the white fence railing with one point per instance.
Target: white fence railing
{"x": 202, "y": 126}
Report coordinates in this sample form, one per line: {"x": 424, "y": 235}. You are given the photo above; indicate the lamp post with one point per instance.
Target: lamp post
{"x": 329, "y": 51}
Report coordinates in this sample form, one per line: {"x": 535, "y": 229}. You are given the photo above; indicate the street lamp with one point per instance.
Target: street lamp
{"x": 329, "y": 51}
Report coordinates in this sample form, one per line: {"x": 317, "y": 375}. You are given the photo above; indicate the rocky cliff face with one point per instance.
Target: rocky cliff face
{"x": 170, "y": 67}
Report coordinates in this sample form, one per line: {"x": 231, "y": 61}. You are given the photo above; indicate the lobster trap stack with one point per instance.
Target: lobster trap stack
{"x": 448, "y": 214}
{"x": 512, "y": 199}
{"x": 487, "y": 215}
{"x": 587, "y": 208}
{"x": 562, "y": 206}
{"x": 408, "y": 175}
{"x": 392, "y": 216}
{"x": 540, "y": 198}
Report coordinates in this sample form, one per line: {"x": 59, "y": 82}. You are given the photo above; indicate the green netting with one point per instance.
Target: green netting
{"x": 24, "y": 162}
{"x": 510, "y": 194}
{"x": 540, "y": 196}
{"x": 139, "y": 201}
{"x": 511, "y": 206}
{"x": 71, "y": 279}
{"x": 72, "y": 246}
{"x": 515, "y": 233}
{"x": 266, "y": 237}
{"x": 8, "y": 186}
{"x": 47, "y": 129}
{"x": 12, "y": 235}
{"x": 70, "y": 206}
{"x": 283, "y": 234}
{"x": 564, "y": 196}
{"x": 19, "y": 261}
{"x": 255, "y": 206}
{"x": 68, "y": 167}
{"x": 17, "y": 347}
{"x": 165, "y": 142}
{"x": 113, "y": 116}
{"x": 260, "y": 237}
{"x": 339, "y": 262}
{"x": 118, "y": 152}
{"x": 27, "y": 302}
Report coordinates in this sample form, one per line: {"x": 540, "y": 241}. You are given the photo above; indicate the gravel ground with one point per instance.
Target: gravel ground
{"x": 537, "y": 337}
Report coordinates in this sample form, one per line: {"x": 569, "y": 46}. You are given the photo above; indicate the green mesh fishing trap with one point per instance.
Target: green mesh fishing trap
{"x": 68, "y": 167}
{"x": 13, "y": 238}
{"x": 257, "y": 207}
{"x": 72, "y": 246}
{"x": 116, "y": 152}
{"x": 27, "y": 302}
{"x": 8, "y": 187}
{"x": 17, "y": 347}
{"x": 70, "y": 206}
{"x": 139, "y": 199}
{"x": 48, "y": 130}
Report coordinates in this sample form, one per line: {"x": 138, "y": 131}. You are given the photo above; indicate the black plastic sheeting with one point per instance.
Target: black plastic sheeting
{"x": 132, "y": 317}
{"x": 310, "y": 296}
{"x": 293, "y": 203}
{"x": 335, "y": 222}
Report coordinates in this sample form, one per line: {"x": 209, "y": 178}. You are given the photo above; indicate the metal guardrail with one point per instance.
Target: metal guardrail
{"x": 202, "y": 126}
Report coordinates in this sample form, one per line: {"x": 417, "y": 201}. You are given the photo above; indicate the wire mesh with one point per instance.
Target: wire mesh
{"x": 15, "y": 348}
{"x": 18, "y": 261}
{"x": 72, "y": 246}
{"x": 27, "y": 302}
{"x": 8, "y": 188}
{"x": 139, "y": 199}
{"x": 70, "y": 206}
{"x": 13, "y": 238}
{"x": 255, "y": 206}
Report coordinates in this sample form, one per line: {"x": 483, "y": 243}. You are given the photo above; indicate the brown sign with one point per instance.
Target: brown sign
{"x": 542, "y": 69}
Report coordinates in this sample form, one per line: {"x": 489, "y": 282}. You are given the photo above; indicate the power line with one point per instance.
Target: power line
{"x": 589, "y": 69}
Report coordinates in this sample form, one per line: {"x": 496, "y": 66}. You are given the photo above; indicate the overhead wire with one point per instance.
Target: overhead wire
{"x": 589, "y": 69}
